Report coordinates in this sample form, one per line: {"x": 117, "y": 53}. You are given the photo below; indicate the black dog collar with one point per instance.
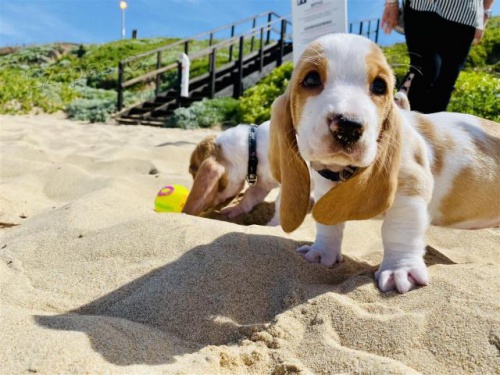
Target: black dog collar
{"x": 252, "y": 156}
{"x": 339, "y": 176}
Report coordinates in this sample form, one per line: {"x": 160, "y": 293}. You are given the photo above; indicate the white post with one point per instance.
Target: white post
{"x": 185, "y": 63}
{"x": 123, "y": 23}
{"x": 123, "y": 6}
{"x": 314, "y": 18}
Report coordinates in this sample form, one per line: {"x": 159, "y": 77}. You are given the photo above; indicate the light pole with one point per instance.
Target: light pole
{"x": 123, "y": 6}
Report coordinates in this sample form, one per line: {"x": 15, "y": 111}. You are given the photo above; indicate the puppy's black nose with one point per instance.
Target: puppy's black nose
{"x": 346, "y": 130}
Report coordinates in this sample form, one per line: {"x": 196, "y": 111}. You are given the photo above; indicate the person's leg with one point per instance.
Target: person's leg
{"x": 455, "y": 44}
{"x": 420, "y": 33}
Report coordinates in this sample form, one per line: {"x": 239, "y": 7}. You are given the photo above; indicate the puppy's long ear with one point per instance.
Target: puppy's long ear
{"x": 370, "y": 192}
{"x": 287, "y": 166}
{"x": 205, "y": 187}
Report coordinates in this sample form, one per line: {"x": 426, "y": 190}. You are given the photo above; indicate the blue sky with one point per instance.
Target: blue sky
{"x": 98, "y": 21}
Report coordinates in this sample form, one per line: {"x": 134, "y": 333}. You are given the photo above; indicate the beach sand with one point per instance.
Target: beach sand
{"x": 94, "y": 281}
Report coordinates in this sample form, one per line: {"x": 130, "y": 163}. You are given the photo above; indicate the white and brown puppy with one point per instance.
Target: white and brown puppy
{"x": 369, "y": 157}
{"x": 219, "y": 166}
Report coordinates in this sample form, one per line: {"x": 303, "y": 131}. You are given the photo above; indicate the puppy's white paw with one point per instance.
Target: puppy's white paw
{"x": 324, "y": 256}
{"x": 233, "y": 211}
{"x": 402, "y": 275}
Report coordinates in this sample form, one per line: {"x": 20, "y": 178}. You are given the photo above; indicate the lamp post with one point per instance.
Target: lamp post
{"x": 123, "y": 6}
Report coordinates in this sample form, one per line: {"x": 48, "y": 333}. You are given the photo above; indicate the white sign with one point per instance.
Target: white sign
{"x": 314, "y": 18}
{"x": 185, "y": 63}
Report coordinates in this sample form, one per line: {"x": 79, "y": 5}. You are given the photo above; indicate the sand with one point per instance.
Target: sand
{"x": 93, "y": 281}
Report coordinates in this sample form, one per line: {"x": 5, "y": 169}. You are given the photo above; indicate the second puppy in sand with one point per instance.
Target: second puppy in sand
{"x": 220, "y": 166}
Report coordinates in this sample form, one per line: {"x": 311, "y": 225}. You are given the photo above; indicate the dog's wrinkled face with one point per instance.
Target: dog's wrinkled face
{"x": 340, "y": 93}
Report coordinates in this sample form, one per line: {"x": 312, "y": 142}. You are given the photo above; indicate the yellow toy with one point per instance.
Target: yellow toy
{"x": 171, "y": 198}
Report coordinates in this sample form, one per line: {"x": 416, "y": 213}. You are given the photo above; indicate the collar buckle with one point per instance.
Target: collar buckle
{"x": 252, "y": 179}
{"x": 340, "y": 176}
{"x": 347, "y": 173}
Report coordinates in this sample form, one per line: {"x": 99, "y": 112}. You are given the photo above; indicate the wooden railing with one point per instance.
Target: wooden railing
{"x": 263, "y": 33}
{"x": 256, "y": 33}
{"x": 233, "y": 40}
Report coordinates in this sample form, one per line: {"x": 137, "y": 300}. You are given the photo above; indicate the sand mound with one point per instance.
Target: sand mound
{"x": 94, "y": 281}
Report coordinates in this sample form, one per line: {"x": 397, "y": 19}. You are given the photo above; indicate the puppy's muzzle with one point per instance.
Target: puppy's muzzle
{"x": 345, "y": 130}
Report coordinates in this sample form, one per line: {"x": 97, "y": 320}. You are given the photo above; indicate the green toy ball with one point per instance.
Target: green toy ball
{"x": 171, "y": 198}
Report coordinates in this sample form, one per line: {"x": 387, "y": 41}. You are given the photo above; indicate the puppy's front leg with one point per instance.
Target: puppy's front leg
{"x": 326, "y": 248}
{"x": 252, "y": 196}
{"x": 403, "y": 235}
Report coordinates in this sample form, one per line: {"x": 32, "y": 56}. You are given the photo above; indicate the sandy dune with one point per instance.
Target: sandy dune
{"x": 94, "y": 281}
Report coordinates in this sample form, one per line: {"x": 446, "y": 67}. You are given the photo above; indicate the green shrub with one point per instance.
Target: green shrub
{"x": 477, "y": 93}
{"x": 21, "y": 94}
{"x": 255, "y": 104}
{"x": 206, "y": 113}
{"x": 93, "y": 110}
{"x": 97, "y": 105}
{"x": 488, "y": 51}
{"x": 32, "y": 55}
{"x": 398, "y": 59}
{"x": 93, "y": 105}
{"x": 254, "y": 107}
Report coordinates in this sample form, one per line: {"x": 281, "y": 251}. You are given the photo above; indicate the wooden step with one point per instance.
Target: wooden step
{"x": 158, "y": 110}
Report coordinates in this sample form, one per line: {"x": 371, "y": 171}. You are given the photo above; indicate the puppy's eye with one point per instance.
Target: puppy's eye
{"x": 312, "y": 80}
{"x": 378, "y": 87}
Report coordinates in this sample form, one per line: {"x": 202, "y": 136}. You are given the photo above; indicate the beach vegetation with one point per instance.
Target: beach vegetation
{"x": 255, "y": 104}
{"x": 81, "y": 80}
{"x": 206, "y": 113}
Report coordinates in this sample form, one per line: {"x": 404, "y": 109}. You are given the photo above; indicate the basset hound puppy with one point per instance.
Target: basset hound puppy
{"x": 369, "y": 157}
{"x": 221, "y": 164}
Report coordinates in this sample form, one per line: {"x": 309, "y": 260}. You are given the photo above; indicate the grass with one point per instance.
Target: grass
{"x": 54, "y": 77}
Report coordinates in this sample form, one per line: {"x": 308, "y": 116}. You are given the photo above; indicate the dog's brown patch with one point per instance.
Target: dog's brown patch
{"x": 475, "y": 193}
{"x": 419, "y": 157}
{"x": 415, "y": 178}
{"x": 210, "y": 176}
{"x": 206, "y": 148}
{"x": 312, "y": 60}
{"x": 439, "y": 145}
{"x": 287, "y": 166}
